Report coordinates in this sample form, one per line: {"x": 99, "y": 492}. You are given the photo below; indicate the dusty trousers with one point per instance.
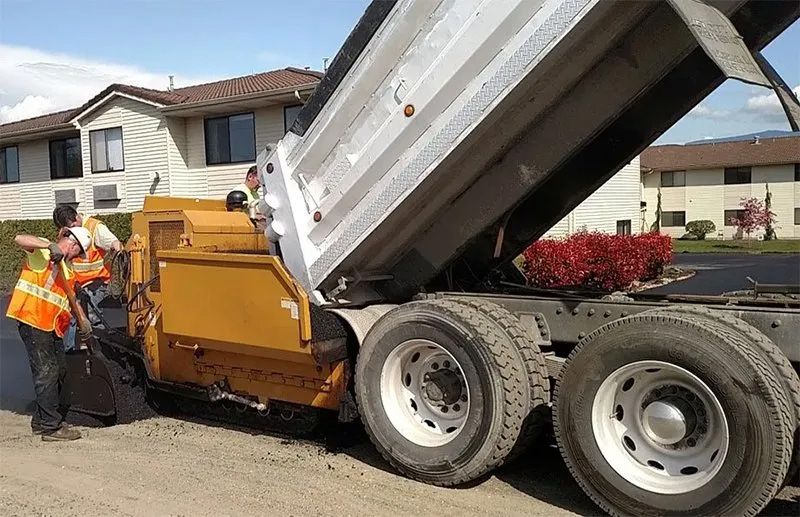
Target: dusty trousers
{"x": 49, "y": 371}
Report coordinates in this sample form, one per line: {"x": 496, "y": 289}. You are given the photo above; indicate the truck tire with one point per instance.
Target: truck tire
{"x": 774, "y": 357}
{"x": 662, "y": 413}
{"x": 538, "y": 380}
{"x": 441, "y": 390}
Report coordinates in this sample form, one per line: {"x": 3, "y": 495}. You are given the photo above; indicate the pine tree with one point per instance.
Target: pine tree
{"x": 769, "y": 230}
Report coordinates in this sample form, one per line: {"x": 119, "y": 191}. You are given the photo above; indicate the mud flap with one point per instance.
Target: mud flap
{"x": 91, "y": 389}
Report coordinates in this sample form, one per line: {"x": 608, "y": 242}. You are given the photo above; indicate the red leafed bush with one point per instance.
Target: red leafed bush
{"x": 597, "y": 261}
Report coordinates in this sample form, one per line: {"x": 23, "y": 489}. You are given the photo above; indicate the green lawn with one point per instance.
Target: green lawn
{"x": 737, "y": 246}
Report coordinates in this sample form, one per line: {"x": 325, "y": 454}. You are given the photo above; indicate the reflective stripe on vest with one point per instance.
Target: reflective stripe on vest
{"x": 93, "y": 267}
{"x": 39, "y": 300}
{"x": 41, "y": 292}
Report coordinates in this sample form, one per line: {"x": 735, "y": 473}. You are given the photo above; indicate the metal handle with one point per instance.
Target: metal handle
{"x": 77, "y": 311}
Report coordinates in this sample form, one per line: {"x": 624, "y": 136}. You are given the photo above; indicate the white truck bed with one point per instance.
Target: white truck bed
{"x": 508, "y": 96}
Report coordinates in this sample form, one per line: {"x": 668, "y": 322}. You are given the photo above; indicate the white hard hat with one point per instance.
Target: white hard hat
{"x": 82, "y": 237}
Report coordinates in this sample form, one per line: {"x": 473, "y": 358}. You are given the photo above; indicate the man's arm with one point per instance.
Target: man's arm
{"x": 31, "y": 243}
{"x": 105, "y": 239}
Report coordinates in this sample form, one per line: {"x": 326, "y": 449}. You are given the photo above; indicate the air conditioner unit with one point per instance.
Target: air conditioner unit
{"x": 66, "y": 197}
{"x": 105, "y": 193}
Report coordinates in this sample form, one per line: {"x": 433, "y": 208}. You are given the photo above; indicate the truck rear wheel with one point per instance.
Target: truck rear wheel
{"x": 441, "y": 390}
{"x": 669, "y": 413}
{"x": 538, "y": 381}
{"x": 784, "y": 370}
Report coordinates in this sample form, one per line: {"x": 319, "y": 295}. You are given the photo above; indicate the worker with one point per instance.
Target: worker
{"x": 93, "y": 273}
{"x": 250, "y": 186}
{"x": 41, "y": 308}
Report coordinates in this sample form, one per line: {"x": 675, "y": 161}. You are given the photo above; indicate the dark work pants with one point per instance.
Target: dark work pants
{"x": 49, "y": 370}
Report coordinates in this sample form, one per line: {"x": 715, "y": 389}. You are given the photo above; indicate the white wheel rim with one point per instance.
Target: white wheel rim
{"x": 660, "y": 427}
{"x": 424, "y": 393}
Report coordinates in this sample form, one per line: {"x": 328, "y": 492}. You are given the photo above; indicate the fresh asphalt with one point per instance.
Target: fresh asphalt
{"x": 717, "y": 273}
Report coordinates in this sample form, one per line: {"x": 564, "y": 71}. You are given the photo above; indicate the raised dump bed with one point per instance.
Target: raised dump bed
{"x": 441, "y": 123}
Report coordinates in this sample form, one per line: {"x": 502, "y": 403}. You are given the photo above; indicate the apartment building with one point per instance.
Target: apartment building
{"x": 128, "y": 142}
{"x": 709, "y": 181}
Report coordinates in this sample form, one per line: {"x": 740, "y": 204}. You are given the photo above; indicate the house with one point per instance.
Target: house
{"x": 613, "y": 208}
{"x": 128, "y": 142}
{"x": 709, "y": 180}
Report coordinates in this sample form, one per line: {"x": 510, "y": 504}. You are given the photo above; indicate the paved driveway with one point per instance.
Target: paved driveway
{"x": 718, "y": 273}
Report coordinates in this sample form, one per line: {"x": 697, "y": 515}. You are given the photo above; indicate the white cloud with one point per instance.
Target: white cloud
{"x": 35, "y": 82}
{"x": 707, "y": 112}
{"x": 30, "y": 106}
{"x": 767, "y": 107}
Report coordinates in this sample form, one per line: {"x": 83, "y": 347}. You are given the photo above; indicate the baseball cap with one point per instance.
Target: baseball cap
{"x": 82, "y": 237}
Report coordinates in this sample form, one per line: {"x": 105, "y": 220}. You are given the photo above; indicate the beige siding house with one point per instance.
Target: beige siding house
{"x": 613, "y": 208}
{"x": 129, "y": 142}
{"x": 709, "y": 181}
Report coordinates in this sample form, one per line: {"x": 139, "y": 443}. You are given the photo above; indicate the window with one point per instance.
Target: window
{"x": 673, "y": 179}
{"x": 797, "y": 216}
{"x": 624, "y": 227}
{"x": 737, "y": 175}
{"x": 732, "y": 214}
{"x": 9, "y": 165}
{"x": 673, "y": 219}
{"x": 797, "y": 171}
{"x": 105, "y": 146}
{"x": 230, "y": 139}
{"x": 65, "y": 158}
{"x": 289, "y": 114}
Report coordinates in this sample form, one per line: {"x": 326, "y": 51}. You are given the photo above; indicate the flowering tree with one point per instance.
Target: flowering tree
{"x": 754, "y": 215}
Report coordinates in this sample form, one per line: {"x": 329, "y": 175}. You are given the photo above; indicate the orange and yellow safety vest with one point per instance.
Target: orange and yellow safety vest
{"x": 94, "y": 266}
{"x": 39, "y": 298}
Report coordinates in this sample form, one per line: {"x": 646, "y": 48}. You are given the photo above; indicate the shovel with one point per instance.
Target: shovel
{"x": 89, "y": 382}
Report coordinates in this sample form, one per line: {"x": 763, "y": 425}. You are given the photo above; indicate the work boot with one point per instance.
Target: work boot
{"x": 63, "y": 434}
{"x": 39, "y": 432}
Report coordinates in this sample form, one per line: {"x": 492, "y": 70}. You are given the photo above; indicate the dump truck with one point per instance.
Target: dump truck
{"x": 445, "y": 137}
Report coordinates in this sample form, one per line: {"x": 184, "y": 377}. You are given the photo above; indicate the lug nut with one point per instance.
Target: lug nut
{"x": 456, "y": 407}
{"x": 446, "y": 364}
{"x": 463, "y": 398}
{"x": 691, "y": 442}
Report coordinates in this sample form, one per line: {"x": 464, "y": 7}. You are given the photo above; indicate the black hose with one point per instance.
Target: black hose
{"x": 141, "y": 290}
{"x": 120, "y": 273}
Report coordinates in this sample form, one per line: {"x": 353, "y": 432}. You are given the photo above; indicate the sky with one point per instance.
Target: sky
{"x": 56, "y": 55}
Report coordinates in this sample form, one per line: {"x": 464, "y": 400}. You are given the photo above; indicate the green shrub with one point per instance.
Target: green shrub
{"x": 700, "y": 228}
{"x": 11, "y": 256}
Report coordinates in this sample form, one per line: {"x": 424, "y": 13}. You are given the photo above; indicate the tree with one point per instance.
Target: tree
{"x": 769, "y": 231}
{"x": 656, "y": 226}
{"x": 754, "y": 215}
{"x": 700, "y": 228}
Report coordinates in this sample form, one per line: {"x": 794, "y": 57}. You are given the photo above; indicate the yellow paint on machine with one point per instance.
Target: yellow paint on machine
{"x": 221, "y": 308}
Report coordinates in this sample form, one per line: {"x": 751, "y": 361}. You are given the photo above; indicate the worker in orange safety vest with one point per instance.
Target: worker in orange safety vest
{"x": 93, "y": 273}
{"x": 39, "y": 304}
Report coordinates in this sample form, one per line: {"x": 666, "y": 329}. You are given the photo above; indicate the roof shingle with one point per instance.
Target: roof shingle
{"x": 40, "y": 122}
{"x": 768, "y": 151}
{"x": 256, "y": 83}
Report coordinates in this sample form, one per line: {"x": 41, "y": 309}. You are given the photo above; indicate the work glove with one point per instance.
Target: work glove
{"x": 84, "y": 334}
{"x": 56, "y": 255}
